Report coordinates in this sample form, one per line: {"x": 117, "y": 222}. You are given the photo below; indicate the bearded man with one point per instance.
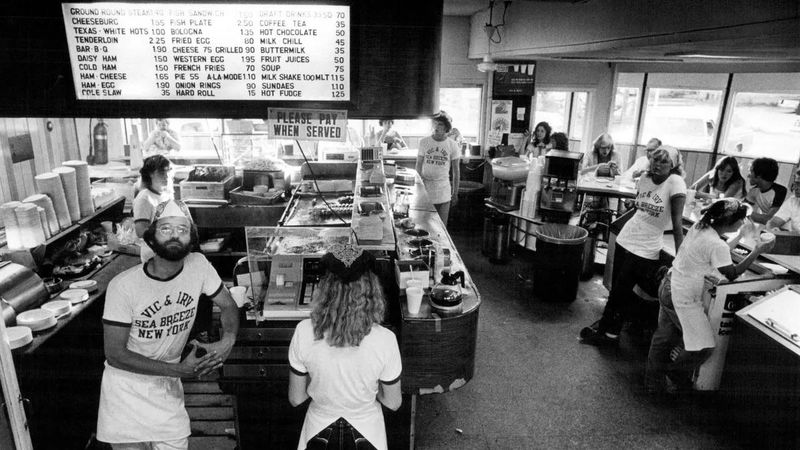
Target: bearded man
{"x": 149, "y": 312}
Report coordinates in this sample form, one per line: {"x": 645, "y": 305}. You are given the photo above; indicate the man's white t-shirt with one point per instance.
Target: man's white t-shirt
{"x": 642, "y": 235}
{"x": 790, "y": 212}
{"x": 641, "y": 164}
{"x": 160, "y": 314}
{"x": 437, "y": 156}
{"x": 701, "y": 254}
{"x": 144, "y": 208}
{"x": 344, "y": 381}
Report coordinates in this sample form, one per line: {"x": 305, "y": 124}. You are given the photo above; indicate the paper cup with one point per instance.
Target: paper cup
{"x": 414, "y": 298}
{"x": 413, "y": 282}
{"x": 766, "y": 237}
{"x": 238, "y": 294}
{"x": 690, "y": 194}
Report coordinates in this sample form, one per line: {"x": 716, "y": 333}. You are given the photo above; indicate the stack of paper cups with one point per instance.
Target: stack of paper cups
{"x": 67, "y": 175}
{"x": 43, "y": 220}
{"x": 30, "y": 226}
{"x": 84, "y": 186}
{"x": 50, "y": 183}
{"x": 44, "y": 202}
{"x": 13, "y": 238}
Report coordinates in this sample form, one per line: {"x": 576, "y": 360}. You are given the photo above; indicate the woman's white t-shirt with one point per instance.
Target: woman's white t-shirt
{"x": 701, "y": 254}
{"x": 437, "y": 156}
{"x": 344, "y": 381}
{"x": 642, "y": 235}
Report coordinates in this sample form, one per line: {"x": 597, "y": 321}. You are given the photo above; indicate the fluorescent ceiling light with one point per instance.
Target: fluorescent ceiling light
{"x": 705, "y": 56}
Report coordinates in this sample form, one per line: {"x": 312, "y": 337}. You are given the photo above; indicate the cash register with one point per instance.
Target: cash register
{"x": 292, "y": 281}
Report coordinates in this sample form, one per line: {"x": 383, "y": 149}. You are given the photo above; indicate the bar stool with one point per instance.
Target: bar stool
{"x": 470, "y": 200}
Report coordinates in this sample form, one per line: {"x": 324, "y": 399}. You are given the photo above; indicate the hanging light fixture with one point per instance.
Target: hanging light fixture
{"x": 487, "y": 65}
{"x": 494, "y": 37}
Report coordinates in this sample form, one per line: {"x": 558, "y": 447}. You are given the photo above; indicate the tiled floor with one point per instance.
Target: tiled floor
{"x": 536, "y": 386}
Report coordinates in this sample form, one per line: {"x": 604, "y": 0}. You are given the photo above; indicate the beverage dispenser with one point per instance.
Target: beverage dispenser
{"x": 559, "y": 190}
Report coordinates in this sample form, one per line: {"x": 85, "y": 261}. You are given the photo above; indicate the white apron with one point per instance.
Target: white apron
{"x": 140, "y": 408}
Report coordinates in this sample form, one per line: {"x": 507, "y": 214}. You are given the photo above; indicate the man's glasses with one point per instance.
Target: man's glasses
{"x": 169, "y": 230}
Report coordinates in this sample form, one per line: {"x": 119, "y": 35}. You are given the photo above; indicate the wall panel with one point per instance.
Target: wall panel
{"x": 50, "y": 149}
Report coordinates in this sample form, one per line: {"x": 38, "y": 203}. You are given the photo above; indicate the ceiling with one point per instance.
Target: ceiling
{"x": 777, "y": 41}
{"x": 468, "y": 7}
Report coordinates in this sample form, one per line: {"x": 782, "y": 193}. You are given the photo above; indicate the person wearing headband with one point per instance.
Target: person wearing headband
{"x": 147, "y": 318}
{"x": 660, "y": 197}
{"x": 684, "y": 338}
{"x": 342, "y": 358}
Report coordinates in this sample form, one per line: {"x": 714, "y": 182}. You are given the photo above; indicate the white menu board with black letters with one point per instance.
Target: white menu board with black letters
{"x": 204, "y": 51}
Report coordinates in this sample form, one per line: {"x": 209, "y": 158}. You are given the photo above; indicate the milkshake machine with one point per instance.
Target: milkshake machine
{"x": 559, "y": 185}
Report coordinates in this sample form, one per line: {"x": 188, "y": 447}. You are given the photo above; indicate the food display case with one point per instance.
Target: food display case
{"x": 284, "y": 267}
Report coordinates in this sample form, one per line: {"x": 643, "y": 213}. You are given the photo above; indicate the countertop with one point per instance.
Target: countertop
{"x": 116, "y": 264}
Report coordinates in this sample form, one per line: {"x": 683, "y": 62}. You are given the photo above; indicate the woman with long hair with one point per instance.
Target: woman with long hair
{"x": 343, "y": 359}
{"x": 539, "y": 140}
{"x": 684, "y": 337}
{"x": 660, "y": 197}
{"x": 725, "y": 180}
{"x": 603, "y": 159}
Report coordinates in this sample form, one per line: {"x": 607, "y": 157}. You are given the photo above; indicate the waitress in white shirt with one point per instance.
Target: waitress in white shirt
{"x": 156, "y": 187}
{"x": 438, "y": 164}
{"x": 660, "y": 197}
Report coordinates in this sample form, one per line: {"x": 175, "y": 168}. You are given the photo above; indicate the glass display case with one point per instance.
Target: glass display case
{"x": 284, "y": 267}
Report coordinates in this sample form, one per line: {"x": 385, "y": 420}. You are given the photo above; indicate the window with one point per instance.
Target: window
{"x": 622, "y": 126}
{"x": 683, "y": 118}
{"x": 764, "y": 125}
{"x": 564, "y": 111}
{"x": 577, "y": 119}
{"x": 462, "y": 104}
{"x": 552, "y": 107}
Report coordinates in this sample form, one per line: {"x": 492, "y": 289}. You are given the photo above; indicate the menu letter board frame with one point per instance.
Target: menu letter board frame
{"x": 284, "y": 53}
{"x": 512, "y": 80}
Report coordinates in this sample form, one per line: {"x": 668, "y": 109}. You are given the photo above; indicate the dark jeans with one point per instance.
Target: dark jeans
{"x": 339, "y": 435}
{"x": 629, "y": 270}
{"x": 669, "y": 335}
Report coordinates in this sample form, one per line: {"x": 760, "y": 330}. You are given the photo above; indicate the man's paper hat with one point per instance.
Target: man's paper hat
{"x": 172, "y": 208}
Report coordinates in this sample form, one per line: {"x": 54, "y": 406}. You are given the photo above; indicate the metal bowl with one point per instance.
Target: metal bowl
{"x": 510, "y": 168}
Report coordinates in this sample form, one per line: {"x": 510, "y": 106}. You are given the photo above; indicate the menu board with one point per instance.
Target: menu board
{"x": 205, "y": 51}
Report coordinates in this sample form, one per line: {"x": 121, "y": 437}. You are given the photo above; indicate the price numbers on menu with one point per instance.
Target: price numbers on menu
{"x": 148, "y": 51}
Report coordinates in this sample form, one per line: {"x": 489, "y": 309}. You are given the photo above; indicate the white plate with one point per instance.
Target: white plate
{"x": 19, "y": 336}
{"x": 75, "y": 295}
{"x": 37, "y": 319}
{"x": 58, "y": 307}
{"x": 89, "y": 285}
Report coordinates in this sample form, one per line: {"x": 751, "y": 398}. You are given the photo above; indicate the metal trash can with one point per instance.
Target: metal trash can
{"x": 495, "y": 236}
{"x": 558, "y": 262}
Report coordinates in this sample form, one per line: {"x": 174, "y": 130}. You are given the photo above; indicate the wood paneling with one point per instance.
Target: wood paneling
{"x": 50, "y": 149}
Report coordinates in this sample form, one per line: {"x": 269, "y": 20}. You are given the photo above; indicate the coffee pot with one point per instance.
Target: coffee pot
{"x": 446, "y": 295}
